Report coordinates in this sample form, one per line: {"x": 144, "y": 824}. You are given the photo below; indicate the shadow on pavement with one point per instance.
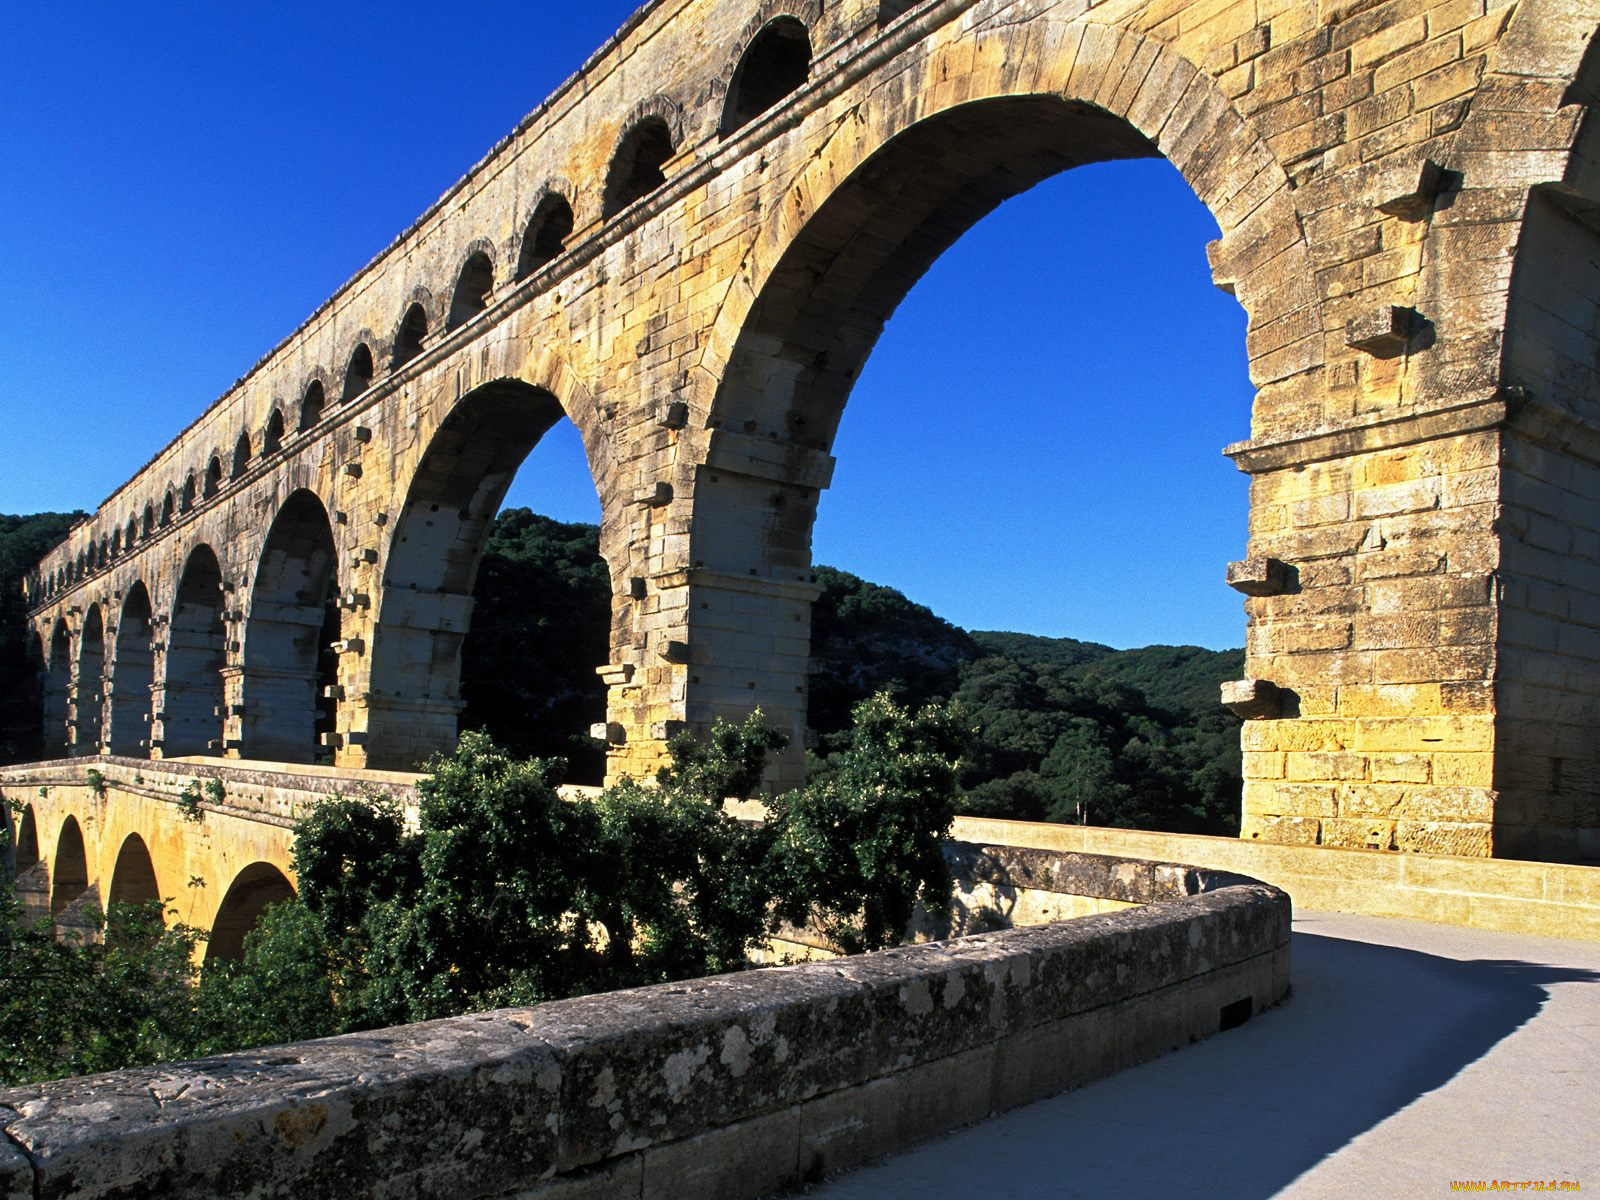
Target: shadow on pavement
{"x": 1367, "y": 1030}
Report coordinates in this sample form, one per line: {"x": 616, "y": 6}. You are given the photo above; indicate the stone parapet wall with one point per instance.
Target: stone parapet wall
{"x": 1546, "y": 899}
{"x": 734, "y": 1086}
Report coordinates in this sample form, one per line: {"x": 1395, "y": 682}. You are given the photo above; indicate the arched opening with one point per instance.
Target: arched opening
{"x": 294, "y": 620}
{"x": 116, "y": 543}
{"x": 190, "y": 490}
{"x": 69, "y": 877}
{"x": 473, "y": 288}
{"x": 57, "y": 684}
{"x": 133, "y": 879}
{"x": 413, "y": 332}
{"x": 241, "y": 455}
{"x": 546, "y": 235}
{"x": 213, "y": 476}
{"x": 432, "y": 577}
{"x": 192, "y": 693}
{"x": 272, "y": 436}
{"x": 168, "y": 505}
{"x": 252, "y": 891}
{"x": 637, "y": 166}
{"x": 807, "y": 339}
{"x": 27, "y": 843}
{"x": 132, "y": 676}
{"x": 148, "y": 525}
{"x": 31, "y": 874}
{"x": 777, "y": 62}
{"x": 311, "y": 405}
{"x": 358, "y": 374}
{"x": 90, "y": 694}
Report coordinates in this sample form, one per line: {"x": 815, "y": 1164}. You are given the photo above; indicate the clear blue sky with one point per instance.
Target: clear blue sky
{"x": 1034, "y": 444}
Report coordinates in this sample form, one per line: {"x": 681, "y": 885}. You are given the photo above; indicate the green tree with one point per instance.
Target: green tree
{"x": 23, "y": 542}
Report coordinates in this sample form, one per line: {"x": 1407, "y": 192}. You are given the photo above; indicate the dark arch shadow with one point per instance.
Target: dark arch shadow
{"x": 133, "y": 879}
{"x": 133, "y": 673}
{"x": 1367, "y": 1030}
{"x": 89, "y": 716}
{"x": 293, "y": 623}
{"x": 70, "y": 876}
{"x": 249, "y": 895}
{"x": 192, "y": 693}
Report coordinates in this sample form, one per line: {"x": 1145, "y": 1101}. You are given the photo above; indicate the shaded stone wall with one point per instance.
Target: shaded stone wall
{"x": 1400, "y": 187}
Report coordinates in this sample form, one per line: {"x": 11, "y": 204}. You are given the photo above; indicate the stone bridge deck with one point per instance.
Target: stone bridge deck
{"x": 1408, "y": 1056}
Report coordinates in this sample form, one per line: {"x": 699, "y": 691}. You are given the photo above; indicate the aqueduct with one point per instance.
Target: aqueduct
{"x": 689, "y": 251}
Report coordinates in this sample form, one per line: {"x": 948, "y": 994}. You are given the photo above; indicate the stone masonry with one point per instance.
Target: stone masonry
{"x": 689, "y": 251}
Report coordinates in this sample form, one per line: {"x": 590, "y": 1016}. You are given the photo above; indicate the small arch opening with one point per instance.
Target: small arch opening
{"x": 547, "y": 234}
{"x": 168, "y": 504}
{"x": 133, "y": 879}
{"x": 637, "y": 168}
{"x": 69, "y": 879}
{"x": 241, "y": 455}
{"x": 413, "y": 331}
{"x": 777, "y": 62}
{"x": 473, "y": 287}
{"x": 190, "y": 491}
{"x": 116, "y": 543}
{"x": 27, "y": 853}
{"x": 213, "y": 476}
{"x": 311, "y": 406}
{"x": 358, "y": 375}
{"x": 272, "y": 438}
{"x": 252, "y": 892}
{"x": 148, "y": 525}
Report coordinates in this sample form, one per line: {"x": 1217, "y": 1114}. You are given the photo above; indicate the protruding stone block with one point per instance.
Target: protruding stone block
{"x": 655, "y": 496}
{"x": 615, "y": 674}
{"x": 364, "y": 557}
{"x": 663, "y": 730}
{"x": 1383, "y": 332}
{"x": 352, "y": 470}
{"x": 355, "y": 600}
{"x": 1417, "y": 203}
{"x": 675, "y": 652}
{"x": 1257, "y": 576}
{"x": 1252, "y": 699}
{"x": 334, "y": 691}
{"x": 675, "y": 415}
{"x": 352, "y": 645}
{"x": 609, "y": 732}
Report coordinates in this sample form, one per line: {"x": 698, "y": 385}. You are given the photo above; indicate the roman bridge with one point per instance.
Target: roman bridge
{"x": 689, "y": 250}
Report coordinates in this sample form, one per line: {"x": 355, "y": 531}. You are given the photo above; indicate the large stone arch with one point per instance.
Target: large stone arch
{"x": 922, "y": 158}
{"x": 89, "y": 692}
{"x": 132, "y": 674}
{"x": 57, "y": 685}
{"x": 288, "y": 654}
{"x": 251, "y": 892}
{"x": 428, "y": 567}
{"x": 191, "y": 692}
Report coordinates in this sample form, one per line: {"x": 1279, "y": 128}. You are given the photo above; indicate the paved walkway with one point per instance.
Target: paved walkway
{"x": 1407, "y": 1056}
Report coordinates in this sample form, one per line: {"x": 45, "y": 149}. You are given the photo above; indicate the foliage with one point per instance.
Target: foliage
{"x": 189, "y": 800}
{"x": 77, "y": 1006}
{"x": 1067, "y": 730}
{"x": 540, "y": 626}
{"x": 23, "y": 542}
{"x": 507, "y": 893}
{"x": 858, "y": 849}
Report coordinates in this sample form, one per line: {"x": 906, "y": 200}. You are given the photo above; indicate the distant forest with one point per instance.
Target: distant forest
{"x": 1066, "y": 730}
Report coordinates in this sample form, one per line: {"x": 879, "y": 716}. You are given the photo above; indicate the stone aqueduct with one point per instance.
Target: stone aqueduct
{"x": 689, "y": 251}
